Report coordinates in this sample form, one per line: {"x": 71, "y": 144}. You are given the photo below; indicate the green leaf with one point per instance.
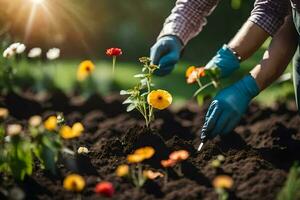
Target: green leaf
{"x": 140, "y": 76}
{"x": 131, "y": 107}
{"x": 129, "y": 100}
{"x": 125, "y": 92}
{"x": 20, "y": 157}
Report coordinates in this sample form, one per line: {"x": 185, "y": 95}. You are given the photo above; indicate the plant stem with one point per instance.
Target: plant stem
{"x": 114, "y": 63}
{"x": 199, "y": 82}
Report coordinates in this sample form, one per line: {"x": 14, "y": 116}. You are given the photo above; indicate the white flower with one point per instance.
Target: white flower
{"x": 13, "y": 49}
{"x": 21, "y": 48}
{"x": 14, "y": 129}
{"x": 14, "y": 46}
{"x": 8, "y": 53}
{"x": 35, "y": 121}
{"x": 53, "y": 53}
{"x": 35, "y": 52}
{"x": 82, "y": 150}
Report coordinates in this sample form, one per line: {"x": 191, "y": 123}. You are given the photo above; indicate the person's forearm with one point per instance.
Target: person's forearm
{"x": 248, "y": 40}
{"x": 187, "y": 18}
{"x": 278, "y": 55}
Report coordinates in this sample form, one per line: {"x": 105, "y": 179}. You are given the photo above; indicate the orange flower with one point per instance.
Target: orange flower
{"x": 223, "y": 182}
{"x": 189, "y": 71}
{"x": 180, "y": 155}
{"x": 194, "y": 74}
{"x": 152, "y": 175}
{"x": 147, "y": 152}
{"x": 135, "y": 158}
{"x": 159, "y": 99}
{"x": 74, "y": 182}
{"x": 168, "y": 163}
{"x": 85, "y": 69}
{"x": 4, "y": 113}
{"x": 122, "y": 170}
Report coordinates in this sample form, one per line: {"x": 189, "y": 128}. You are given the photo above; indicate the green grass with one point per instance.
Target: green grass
{"x": 64, "y": 74}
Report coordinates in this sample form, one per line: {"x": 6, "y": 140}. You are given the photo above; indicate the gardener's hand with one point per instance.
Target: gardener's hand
{"x": 165, "y": 53}
{"x": 226, "y": 60}
{"x": 228, "y": 107}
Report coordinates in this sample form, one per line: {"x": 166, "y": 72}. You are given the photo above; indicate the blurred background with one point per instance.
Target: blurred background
{"x": 83, "y": 29}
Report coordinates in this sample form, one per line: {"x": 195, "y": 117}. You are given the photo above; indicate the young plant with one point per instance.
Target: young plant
{"x": 216, "y": 163}
{"x": 74, "y": 183}
{"x": 222, "y": 184}
{"x": 114, "y": 53}
{"x": 196, "y": 74}
{"x": 291, "y": 188}
{"x": 142, "y": 97}
{"x": 86, "y": 84}
{"x": 175, "y": 159}
{"x": 134, "y": 171}
{"x": 9, "y": 65}
{"x": 19, "y": 147}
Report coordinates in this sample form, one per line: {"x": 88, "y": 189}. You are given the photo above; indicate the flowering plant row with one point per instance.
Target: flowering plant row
{"x": 19, "y": 146}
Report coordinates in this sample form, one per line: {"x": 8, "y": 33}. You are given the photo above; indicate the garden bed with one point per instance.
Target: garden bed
{"x": 257, "y": 156}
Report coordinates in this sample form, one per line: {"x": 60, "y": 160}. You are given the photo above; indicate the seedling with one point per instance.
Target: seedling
{"x": 134, "y": 171}
{"x": 175, "y": 160}
{"x": 216, "y": 163}
{"x": 196, "y": 74}
{"x": 222, "y": 184}
{"x": 142, "y": 97}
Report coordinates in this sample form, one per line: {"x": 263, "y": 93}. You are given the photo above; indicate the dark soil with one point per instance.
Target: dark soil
{"x": 258, "y": 153}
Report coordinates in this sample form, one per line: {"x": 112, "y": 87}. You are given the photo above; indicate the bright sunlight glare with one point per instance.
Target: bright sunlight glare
{"x": 37, "y": 1}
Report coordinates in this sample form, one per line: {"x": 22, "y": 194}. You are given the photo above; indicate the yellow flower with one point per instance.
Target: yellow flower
{"x": 85, "y": 69}
{"x": 152, "y": 175}
{"x": 35, "y": 121}
{"x": 159, "y": 99}
{"x": 68, "y": 133}
{"x": 51, "y": 123}
{"x": 3, "y": 113}
{"x": 74, "y": 182}
{"x": 146, "y": 152}
{"x": 77, "y": 129}
{"x": 223, "y": 182}
{"x": 135, "y": 158}
{"x": 122, "y": 170}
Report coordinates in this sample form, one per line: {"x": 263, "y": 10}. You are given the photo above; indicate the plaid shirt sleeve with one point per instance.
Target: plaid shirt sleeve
{"x": 187, "y": 18}
{"x": 269, "y": 14}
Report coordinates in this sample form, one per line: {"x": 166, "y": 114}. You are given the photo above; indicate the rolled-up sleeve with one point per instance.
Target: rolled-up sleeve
{"x": 269, "y": 14}
{"x": 187, "y": 18}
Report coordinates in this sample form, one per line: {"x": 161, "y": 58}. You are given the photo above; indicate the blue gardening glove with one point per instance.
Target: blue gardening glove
{"x": 226, "y": 60}
{"x": 165, "y": 53}
{"x": 227, "y": 108}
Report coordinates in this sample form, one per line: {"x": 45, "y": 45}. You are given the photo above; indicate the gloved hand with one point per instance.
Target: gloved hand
{"x": 226, "y": 60}
{"x": 165, "y": 53}
{"x": 228, "y": 106}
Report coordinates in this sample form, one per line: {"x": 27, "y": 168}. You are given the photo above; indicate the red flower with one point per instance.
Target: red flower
{"x": 114, "y": 52}
{"x": 105, "y": 188}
